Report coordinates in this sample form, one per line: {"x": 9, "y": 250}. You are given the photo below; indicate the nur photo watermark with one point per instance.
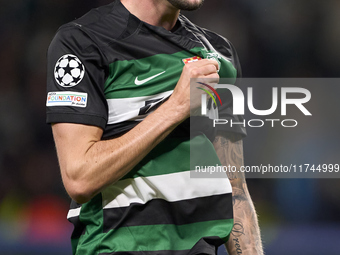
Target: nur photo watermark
{"x": 238, "y": 104}
{"x": 287, "y": 124}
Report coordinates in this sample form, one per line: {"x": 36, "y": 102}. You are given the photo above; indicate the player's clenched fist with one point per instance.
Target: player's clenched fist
{"x": 202, "y": 69}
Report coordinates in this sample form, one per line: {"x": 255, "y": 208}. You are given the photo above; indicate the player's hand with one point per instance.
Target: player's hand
{"x": 187, "y": 98}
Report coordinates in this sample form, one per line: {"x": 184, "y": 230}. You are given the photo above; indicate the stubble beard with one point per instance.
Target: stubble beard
{"x": 186, "y": 5}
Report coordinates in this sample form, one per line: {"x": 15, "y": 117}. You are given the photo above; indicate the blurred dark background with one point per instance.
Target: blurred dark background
{"x": 274, "y": 38}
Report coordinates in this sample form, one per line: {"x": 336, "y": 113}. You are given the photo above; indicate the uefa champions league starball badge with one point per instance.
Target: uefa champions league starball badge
{"x": 69, "y": 71}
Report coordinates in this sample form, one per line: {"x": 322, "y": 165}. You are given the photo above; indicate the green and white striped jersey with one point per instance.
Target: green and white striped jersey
{"x": 111, "y": 70}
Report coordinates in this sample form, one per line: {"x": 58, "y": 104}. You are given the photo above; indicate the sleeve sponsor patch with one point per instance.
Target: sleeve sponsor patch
{"x": 66, "y": 98}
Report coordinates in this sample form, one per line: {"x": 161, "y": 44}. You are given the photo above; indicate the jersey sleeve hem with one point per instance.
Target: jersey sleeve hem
{"x": 92, "y": 120}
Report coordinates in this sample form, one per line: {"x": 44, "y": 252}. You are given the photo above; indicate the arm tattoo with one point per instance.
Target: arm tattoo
{"x": 245, "y": 236}
{"x": 237, "y": 231}
{"x": 230, "y": 152}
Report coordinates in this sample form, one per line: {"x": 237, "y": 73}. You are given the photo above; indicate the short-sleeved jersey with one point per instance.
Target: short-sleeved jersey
{"x": 109, "y": 69}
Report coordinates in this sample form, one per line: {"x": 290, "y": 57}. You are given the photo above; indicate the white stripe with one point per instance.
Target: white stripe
{"x": 123, "y": 109}
{"x": 170, "y": 187}
{"x": 73, "y": 213}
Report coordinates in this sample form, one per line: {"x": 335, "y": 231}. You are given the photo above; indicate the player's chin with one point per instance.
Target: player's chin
{"x": 187, "y": 5}
{"x": 194, "y": 3}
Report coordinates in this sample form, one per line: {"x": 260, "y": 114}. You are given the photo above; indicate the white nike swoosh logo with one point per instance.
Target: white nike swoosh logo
{"x": 137, "y": 82}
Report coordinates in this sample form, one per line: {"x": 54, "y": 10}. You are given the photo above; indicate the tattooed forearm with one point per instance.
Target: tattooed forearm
{"x": 237, "y": 246}
{"x": 238, "y": 231}
{"x": 245, "y": 236}
{"x": 230, "y": 151}
{"x": 238, "y": 197}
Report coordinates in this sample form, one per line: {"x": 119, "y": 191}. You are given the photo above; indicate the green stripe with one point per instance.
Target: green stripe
{"x": 92, "y": 215}
{"x": 163, "y": 237}
{"x": 122, "y": 74}
{"x": 202, "y": 153}
{"x": 175, "y": 155}
{"x": 169, "y": 156}
{"x": 120, "y": 83}
{"x": 74, "y": 244}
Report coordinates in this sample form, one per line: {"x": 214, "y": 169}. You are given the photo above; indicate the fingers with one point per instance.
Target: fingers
{"x": 201, "y": 68}
{"x": 212, "y": 78}
{"x": 188, "y": 97}
{"x": 205, "y": 70}
{"x": 204, "y": 62}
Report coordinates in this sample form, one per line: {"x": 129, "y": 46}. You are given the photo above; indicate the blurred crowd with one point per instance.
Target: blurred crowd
{"x": 274, "y": 38}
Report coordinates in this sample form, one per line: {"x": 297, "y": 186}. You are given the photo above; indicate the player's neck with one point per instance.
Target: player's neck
{"x": 154, "y": 12}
